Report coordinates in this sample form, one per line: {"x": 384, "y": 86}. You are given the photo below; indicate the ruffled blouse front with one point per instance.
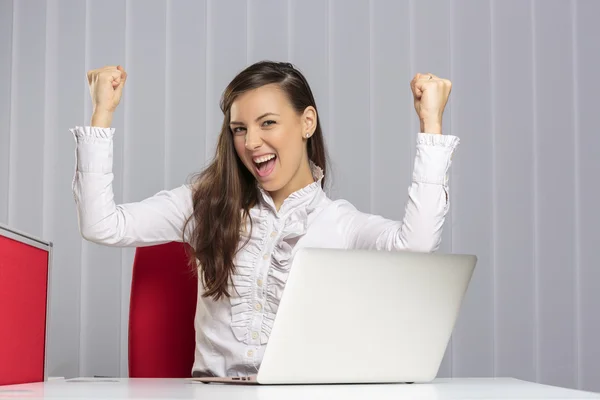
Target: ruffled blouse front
{"x": 263, "y": 264}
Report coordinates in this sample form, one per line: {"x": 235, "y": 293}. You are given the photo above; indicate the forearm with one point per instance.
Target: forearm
{"x": 157, "y": 219}
{"x": 431, "y": 127}
{"x": 92, "y": 184}
{"x": 425, "y": 210}
{"x": 101, "y": 119}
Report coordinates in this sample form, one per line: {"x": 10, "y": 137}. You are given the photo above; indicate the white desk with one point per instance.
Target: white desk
{"x": 473, "y": 388}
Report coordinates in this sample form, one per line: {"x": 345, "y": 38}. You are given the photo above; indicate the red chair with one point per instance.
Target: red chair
{"x": 161, "y": 313}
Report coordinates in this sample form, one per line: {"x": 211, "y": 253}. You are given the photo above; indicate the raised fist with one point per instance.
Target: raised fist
{"x": 106, "y": 87}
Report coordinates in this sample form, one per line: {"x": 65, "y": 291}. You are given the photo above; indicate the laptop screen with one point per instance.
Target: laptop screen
{"x": 24, "y": 276}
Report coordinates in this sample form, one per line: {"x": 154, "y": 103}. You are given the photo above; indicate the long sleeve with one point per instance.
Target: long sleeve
{"x": 425, "y": 210}
{"x": 154, "y": 220}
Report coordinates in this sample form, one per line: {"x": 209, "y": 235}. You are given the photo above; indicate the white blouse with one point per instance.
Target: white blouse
{"x": 232, "y": 333}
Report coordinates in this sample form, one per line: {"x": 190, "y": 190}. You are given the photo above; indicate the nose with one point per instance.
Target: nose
{"x": 253, "y": 139}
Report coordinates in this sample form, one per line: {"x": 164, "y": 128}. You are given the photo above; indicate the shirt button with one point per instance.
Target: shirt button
{"x": 250, "y": 353}
{"x": 254, "y": 335}
{"x": 266, "y": 257}
{"x": 274, "y": 233}
{"x": 259, "y": 282}
{"x": 258, "y": 307}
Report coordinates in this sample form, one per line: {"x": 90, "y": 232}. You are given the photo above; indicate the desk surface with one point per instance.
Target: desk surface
{"x": 440, "y": 389}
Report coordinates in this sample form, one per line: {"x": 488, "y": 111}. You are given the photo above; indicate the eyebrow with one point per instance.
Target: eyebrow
{"x": 257, "y": 119}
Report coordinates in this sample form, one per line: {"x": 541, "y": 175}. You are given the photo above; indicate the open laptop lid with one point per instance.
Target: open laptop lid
{"x": 25, "y": 266}
{"x": 350, "y": 316}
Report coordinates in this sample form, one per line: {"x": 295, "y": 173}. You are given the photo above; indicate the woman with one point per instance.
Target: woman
{"x": 257, "y": 203}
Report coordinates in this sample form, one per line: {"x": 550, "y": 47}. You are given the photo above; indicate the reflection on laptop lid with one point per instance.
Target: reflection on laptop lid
{"x": 24, "y": 293}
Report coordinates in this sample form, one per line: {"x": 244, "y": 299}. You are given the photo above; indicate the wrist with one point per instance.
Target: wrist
{"x": 428, "y": 126}
{"x": 101, "y": 118}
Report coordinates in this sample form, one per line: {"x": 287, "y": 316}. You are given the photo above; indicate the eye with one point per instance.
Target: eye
{"x": 269, "y": 122}
{"x": 238, "y": 130}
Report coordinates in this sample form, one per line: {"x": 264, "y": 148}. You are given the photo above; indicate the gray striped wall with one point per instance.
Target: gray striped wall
{"x": 523, "y": 187}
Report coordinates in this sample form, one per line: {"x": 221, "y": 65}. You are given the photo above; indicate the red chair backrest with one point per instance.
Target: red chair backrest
{"x": 24, "y": 292}
{"x": 161, "y": 314}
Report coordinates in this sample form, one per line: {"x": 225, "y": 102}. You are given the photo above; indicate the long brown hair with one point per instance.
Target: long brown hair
{"x": 225, "y": 191}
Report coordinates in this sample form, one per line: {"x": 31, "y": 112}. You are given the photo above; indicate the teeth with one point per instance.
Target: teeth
{"x": 262, "y": 159}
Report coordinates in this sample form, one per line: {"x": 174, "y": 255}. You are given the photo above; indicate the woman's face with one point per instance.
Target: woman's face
{"x": 270, "y": 138}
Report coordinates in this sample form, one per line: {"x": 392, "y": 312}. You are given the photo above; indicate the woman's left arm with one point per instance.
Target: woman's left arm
{"x": 425, "y": 211}
{"x": 428, "y": 195}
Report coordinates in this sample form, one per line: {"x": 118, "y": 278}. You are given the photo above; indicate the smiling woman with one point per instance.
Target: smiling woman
{"x": 273, "y": 146}
{"x": 265, "y": 163}
{"x": 259, "y": 201}
{"x": 270, "y": 118}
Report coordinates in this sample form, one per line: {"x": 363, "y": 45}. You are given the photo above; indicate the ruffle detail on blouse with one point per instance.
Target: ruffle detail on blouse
{"x": 432, "y": 139}
{"x": 241, "y": 295}
{"x": 294, "y": 212}
{"x": 295, "y": 228}
{"x": 91, "y": 133}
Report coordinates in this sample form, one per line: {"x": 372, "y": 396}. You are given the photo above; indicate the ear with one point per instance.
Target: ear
{"x": 309, "y": 122}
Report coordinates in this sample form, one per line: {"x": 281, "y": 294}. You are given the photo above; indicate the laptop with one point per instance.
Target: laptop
{"x": 363, "y": 316}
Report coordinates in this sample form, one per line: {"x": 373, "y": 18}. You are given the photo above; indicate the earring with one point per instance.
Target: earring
{"x": 307, "y": 135}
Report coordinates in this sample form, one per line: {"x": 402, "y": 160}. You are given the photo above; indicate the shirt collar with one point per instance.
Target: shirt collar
{"x": 301, "y": 197}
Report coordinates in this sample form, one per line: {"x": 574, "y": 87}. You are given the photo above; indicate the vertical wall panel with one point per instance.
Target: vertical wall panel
{"x": 587, "y": 62}
{"x": 267, "y": 30}
{"x": 226, "y": 57}
{"x": 472, "y": 223}
{"x": 391, "y": 108}
{"x": 430, "y": 53}
{"x": 350, "y": 147}
{"x": 144, "y": 171}
{"x": 25, "y": 188}
{"x": 185, "y": 113}
{"x": 513, "y": 189}
{"x": 6, "y": 48}
{"x": 101, "y": 266}
{"x": 554, "y": 145}
{"x": 309, "y": 52}
{"x": 65, "y": 56}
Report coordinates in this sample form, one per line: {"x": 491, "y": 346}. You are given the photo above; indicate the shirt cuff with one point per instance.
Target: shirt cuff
{"x": 434, "y": 157}
{"x": 94, "y": 150}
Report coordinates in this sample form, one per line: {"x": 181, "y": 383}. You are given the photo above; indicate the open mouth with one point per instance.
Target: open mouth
{"x": 264, "y": 164}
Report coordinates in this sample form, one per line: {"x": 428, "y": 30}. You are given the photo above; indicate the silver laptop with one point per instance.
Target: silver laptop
{"x": 363, "y": 316}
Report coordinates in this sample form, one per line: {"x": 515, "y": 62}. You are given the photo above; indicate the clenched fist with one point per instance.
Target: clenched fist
{"x": 106, "y": 87}
{"x": 430, "y": 95}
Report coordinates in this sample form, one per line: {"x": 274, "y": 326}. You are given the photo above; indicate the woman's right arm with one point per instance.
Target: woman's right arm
{"x": 157, "y": 219}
